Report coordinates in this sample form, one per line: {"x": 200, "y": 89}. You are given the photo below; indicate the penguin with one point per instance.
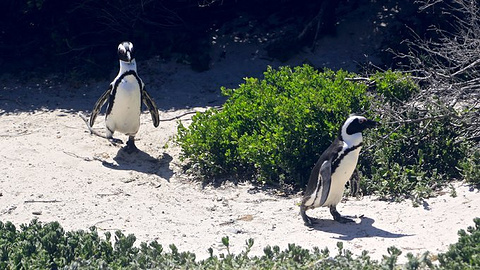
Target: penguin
{"x": 334, "y": 168}
{"x": 125, "y": 94}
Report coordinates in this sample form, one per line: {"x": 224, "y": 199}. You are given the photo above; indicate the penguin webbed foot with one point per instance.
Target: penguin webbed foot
{"x": 343, "y": 220}
{"x": 115, "y": 141}
{"x": 131, "y": 147}
{"x": 339, "y": 218}
{"x": 308, "y": 221}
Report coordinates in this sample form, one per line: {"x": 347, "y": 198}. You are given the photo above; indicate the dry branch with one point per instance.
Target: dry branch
{"x": 92, "y": 131}
{"x": 42, "y": 201}
{"x": 178, "y": 116}
{"x": 448, "y": 65}
{"x": 409, "y": 121}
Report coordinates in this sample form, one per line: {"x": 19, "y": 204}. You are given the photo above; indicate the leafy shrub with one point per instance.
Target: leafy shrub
{"x": 413, "y": 160}
{"x": 465, "y": 254}
{"x": 273, "y": 130}
{"x": 394, "y": 85}
{"x": 48, "y": 246}
{"x": 470, "y": 167}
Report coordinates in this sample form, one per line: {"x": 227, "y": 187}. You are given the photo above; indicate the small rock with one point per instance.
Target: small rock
{"x": 246, "y": 218}
{"x": 234, "y": 230}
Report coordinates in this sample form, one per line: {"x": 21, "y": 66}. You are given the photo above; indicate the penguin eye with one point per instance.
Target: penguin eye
{"x": 361, "y": 120}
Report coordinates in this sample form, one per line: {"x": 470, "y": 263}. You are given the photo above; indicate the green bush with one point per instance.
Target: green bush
{"x": 48, "y": 246}
{"x": 412, "y": 161}
{"x": 395, "y": 86}
{"x": 470, "y": 166}
{"x": 272, "y": 130}
{"x": 465, "y": 254}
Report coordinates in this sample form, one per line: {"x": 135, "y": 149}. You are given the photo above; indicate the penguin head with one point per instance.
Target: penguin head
{"x": 351, "y": 131}
{"x": 125, "y": 52}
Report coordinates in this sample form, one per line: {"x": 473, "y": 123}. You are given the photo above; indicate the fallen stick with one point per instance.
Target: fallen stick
{"x": 101, "y": 221}
{"x": 178, "y": 116}
{"x": 41, "y": 201}
{"x": 409, "y": 121}
{"x": 92, "y": 131}
{"x": 80, "y": 157}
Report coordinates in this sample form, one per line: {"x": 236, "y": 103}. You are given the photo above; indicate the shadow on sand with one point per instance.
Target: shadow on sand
{"x": 142, "y": 162}
{"x": 354, "y": 230}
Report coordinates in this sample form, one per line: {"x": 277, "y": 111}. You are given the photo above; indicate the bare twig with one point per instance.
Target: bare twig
{"x": 42, "y": 201}
{"x": 473, "y": 138}
{"x": 9, "y": 210}
{"x": 188, "y": 113}
{"x": 92, "y": 131}
{"x": 23, "y": 133}
{"x": 449, "y": 67}
{"x": 101, "y": 221}
{"x": 80, "y": 157}
{"x": 117, "y": 192}
{"x": 177, "y": 117}
{"x": 409, "y": 121}
{"x": 359, "y": 79}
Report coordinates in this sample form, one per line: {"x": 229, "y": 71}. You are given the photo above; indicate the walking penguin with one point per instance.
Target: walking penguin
{"x": 125, "y": 95}
{"x": 334, "y": 168}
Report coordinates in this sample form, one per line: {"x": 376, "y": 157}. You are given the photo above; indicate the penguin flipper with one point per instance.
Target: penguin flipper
{"x": 152, "y": 107}
{"x": 325, "y": 179}
{"x": 99, "y": 104}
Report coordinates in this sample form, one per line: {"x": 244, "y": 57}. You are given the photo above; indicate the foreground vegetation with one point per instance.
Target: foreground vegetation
{"x": 48, "y": 246}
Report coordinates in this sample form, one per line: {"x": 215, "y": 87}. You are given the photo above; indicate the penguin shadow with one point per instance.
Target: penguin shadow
{"x": 352, "y": 231}
{"x": 140, "y": 161}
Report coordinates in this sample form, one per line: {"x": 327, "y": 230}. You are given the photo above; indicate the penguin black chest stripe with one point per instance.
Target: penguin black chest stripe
{"x": 115, "y": 86}
{"x": 337, "y": 161}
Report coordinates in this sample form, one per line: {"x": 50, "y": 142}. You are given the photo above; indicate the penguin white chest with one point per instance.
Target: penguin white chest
{"x": 341, "y": 175}
{"x": 124, "y": 116}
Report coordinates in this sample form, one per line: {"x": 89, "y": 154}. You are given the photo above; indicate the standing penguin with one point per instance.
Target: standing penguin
{"x": 334, "y": 168}
{"x": 125, "y": 95}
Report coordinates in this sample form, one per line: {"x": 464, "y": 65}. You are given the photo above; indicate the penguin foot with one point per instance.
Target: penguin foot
{"x": 343, "y": 220}
{"x": 131, "y": 147}
{"x": 308, "y": 221}
{"x": 115, "y": 141}
{"x": 339, "y": 218}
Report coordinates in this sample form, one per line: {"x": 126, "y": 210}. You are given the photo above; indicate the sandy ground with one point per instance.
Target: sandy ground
{"x": 53, "y": 169}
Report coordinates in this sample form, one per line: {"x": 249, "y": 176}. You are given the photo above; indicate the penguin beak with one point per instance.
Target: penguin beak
{"x": 370, "y": 123}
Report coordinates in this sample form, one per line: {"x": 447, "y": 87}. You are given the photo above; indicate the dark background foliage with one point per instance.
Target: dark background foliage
{"x": 59, "y": 36}
{"x": 42, "y": 32}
